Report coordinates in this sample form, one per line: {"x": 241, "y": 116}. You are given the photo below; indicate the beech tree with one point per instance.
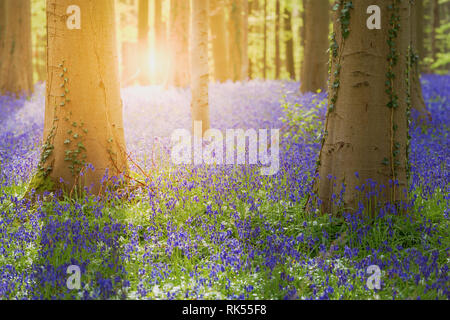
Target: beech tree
{"x": 16, "y": 68}
{"x": 199, "y": 64}
{"x": 417, "y": 100}
{"x": 235, "y": 39}
{"x": 366, "y": 129}
{"x": 289, "y": 42}
{"x": 160, "y": 42}
{"x": 244, "y": 46}
{"x": 277, "y": 39}
{"x": 179, "y": 43}
{"x": 315, "y": 59}
{"x": 83, "y": 109}
{"x": 144, "y": 50}
{"x": 219, "y": 39}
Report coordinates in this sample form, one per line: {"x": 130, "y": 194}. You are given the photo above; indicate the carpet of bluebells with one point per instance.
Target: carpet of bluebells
{"x": 210, "y": 232}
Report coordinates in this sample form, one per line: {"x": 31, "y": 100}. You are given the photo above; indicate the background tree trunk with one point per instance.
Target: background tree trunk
{"x": 179, "y": 43}
{"x": 362, "y": 133}
{"x": 315, "y": 58}
{"x": 199, "y": 64}
{"x": 419, "y": 16}
{"x": 277, "y": 39}
{"x": 265, "y": 41}
{"x": 235, "y": 39}
{"x": 219, "y": 40}
{"x": 289, "y": 43}
{"x": 16, "y": 68}
{"x": 144, "y": 53}
{"x": 83, "y": 111}
{"x": 417, "y": 100}
{"x": 436, "y": 25}
{"x": 160, "y": 43}
{"x": 244, "y": 72}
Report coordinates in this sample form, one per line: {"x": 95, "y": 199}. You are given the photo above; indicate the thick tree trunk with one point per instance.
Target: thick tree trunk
{"x": 83, "y": 111}
{"x": 16, "y": 68}
{"x": 199, "y": 64}
{"x": 366, "y": 130}
{"x": 144, "y": 49}
{"x": 219, "y": 40}
{"x": 244, "y": 72}
{"x": 417, "y": 100}
{"x": 277, "y": 39}
{"x": 179, "y": 43}
{"x": 235, "y": 39}
{"x": 315, "y": 58}
{"x": 289, "y": 43}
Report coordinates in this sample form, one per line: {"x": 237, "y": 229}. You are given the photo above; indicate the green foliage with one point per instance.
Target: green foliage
{"x": 303, "y": 123}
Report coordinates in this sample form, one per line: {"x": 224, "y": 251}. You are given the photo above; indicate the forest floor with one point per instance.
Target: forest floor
{"x": 221, "y": 232}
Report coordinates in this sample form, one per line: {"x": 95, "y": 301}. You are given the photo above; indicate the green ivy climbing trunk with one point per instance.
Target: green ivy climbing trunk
{"x": 315, "y": 59}
{"x": 366, "y": 129}
{"x": 16, "y": 68}
{"x": 199, "y": 64}
{"x": 83, "y": 111}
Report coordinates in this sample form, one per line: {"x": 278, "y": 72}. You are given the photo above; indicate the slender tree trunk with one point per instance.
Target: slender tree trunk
{"x": 417, "y": 100}
{"x": 436, "y": 25}
{"x": 144, "y": 53}
{"x": 265, "y": 41}
{"x": 419, "y": 16}
{"x": 244, "y": 72}
{"x": 199, "y": 64}
{"x": 315, "y": 57}
{"x": 366, "y": 127}
{"x": 83, "y": 111}
{"x": 303, "y": 37}
{"x": 16, "y": 67}
{"x": 235, "y": 39}
{"x": 277, "y": 39}
{"x": 161, "y": 43}
{"x": 252, "y": 5}
{"x": 289, "y": 43}
{"x": 219, "y": 40}
{"x": 179, "y": 43}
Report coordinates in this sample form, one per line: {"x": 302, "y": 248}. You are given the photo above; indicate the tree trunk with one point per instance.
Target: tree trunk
{"x": 160, "y": 43}
{"x": 83, "y": 111}
{"x": 219, "y": 40}
{"x": 144, "y": 53}
{"x": 277, "y": 39}
{"x": 199, "y": 64}
{"x": 265, "y": 41}
{"x": 303, "y": 37}
{"x": 366, "y": 127}
{"x": 235, "y": 39}
{"x": 16, "y": 68}
{"x": 417, "y": 100}
{"x": 244, "y": 72}
{"x": 315, "y": 58}
{"x": 419, "y": 35}
{"x": 436, "y": 25}
{"x": 179, "y": 43}
{"x": 289, "y": 43}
